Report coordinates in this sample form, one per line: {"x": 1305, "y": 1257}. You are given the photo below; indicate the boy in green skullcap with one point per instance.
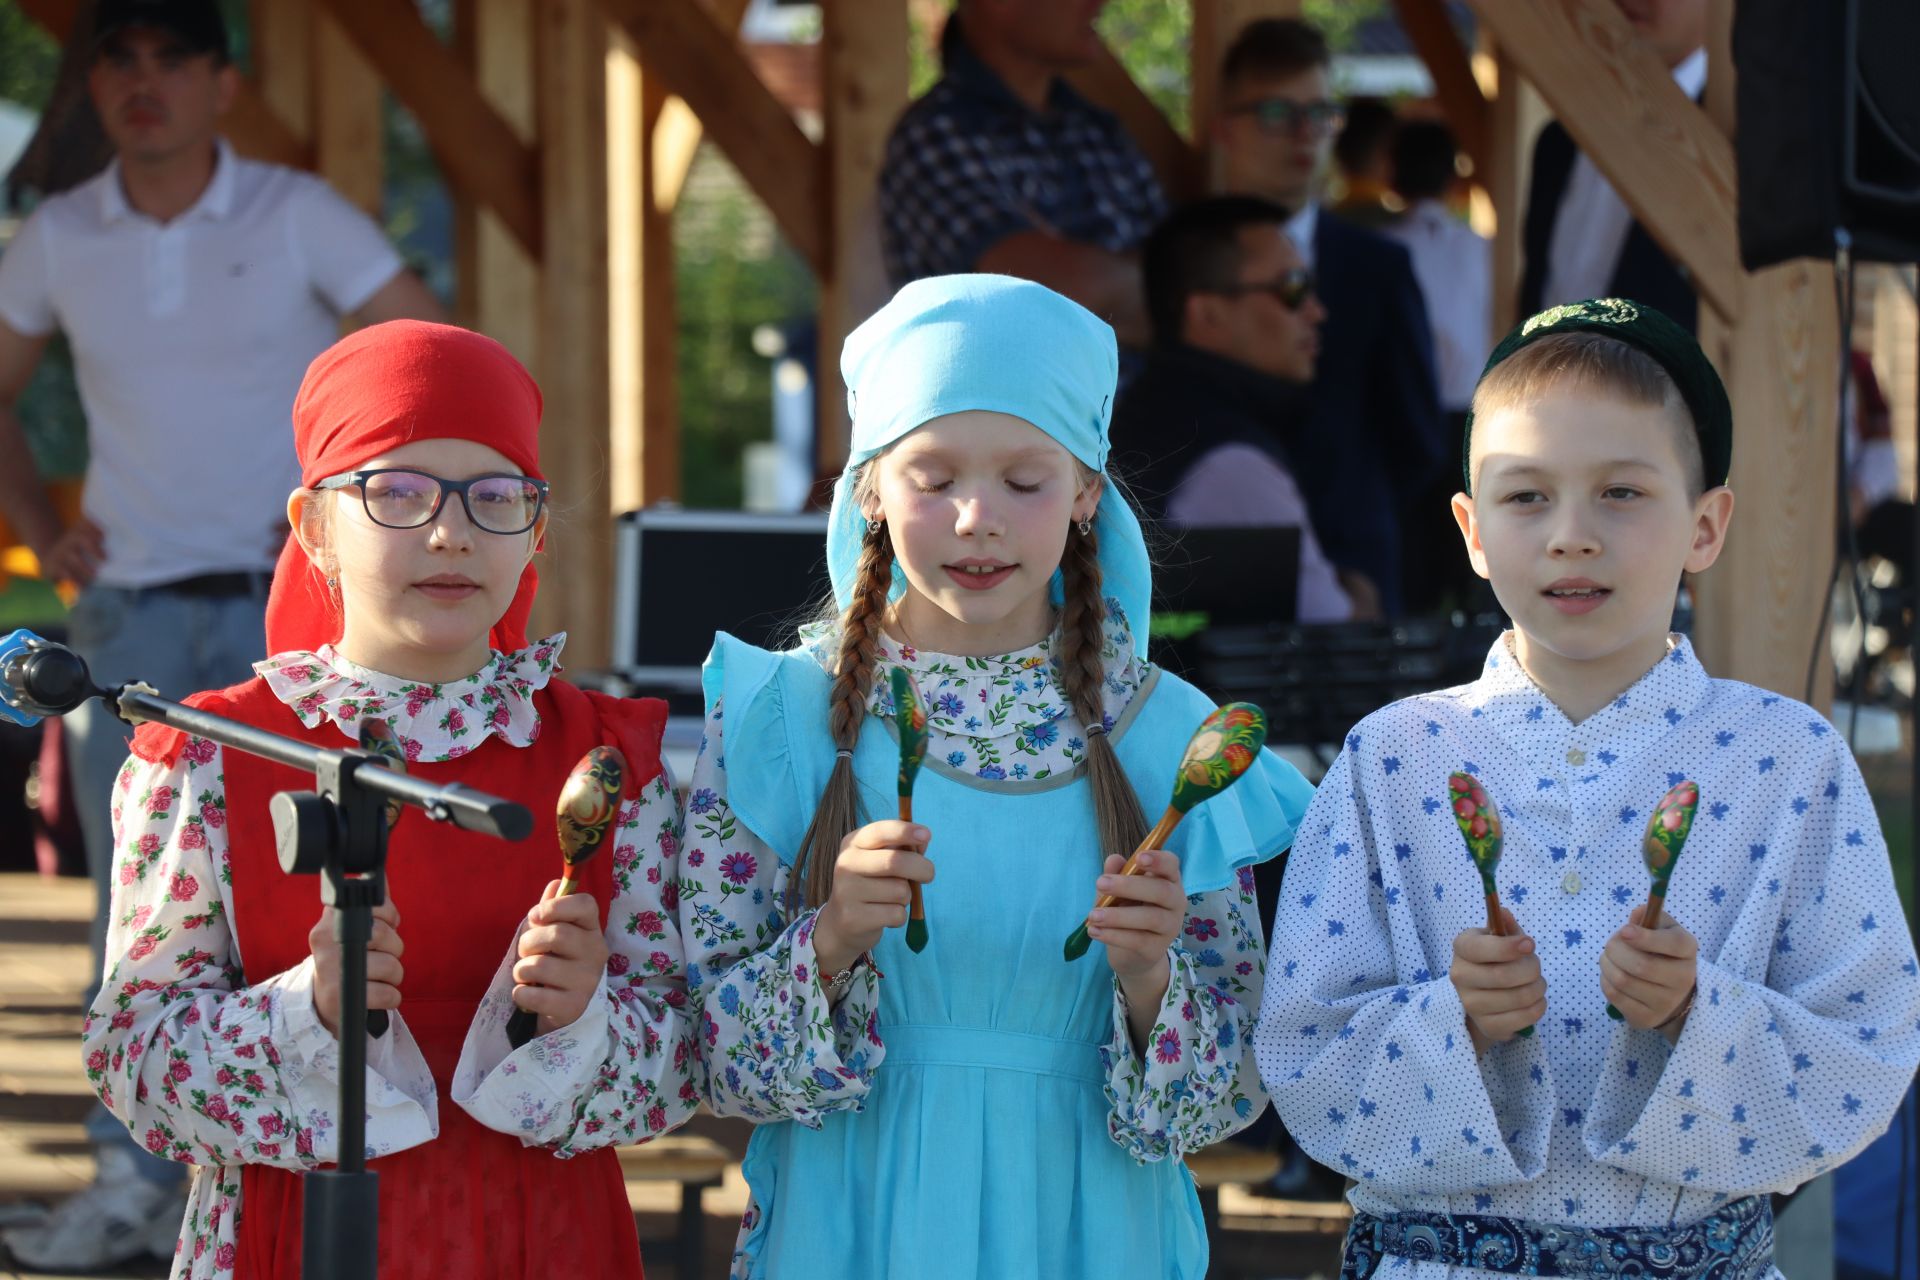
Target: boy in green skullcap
{"x": 1769, "y": 1018}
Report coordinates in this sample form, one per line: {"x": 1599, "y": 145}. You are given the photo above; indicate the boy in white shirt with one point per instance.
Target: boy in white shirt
{"x": 1772, "y": 1012}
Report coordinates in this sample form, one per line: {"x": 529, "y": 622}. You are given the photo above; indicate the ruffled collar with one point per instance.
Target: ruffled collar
{"x": 433, "y": 722}
{"x": 1007, "y": 695}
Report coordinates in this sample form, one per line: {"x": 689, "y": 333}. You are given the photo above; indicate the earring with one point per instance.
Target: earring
{"x": 1086, "y": 527}
{"x": 873, "y": 525}
{"x": 333, "y": 583}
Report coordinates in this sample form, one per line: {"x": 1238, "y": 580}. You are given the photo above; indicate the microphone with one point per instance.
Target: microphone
{"x": 39, "y": 678}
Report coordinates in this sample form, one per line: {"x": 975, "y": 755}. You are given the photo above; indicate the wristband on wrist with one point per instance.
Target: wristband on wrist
{"x": 1686, "y": 1007}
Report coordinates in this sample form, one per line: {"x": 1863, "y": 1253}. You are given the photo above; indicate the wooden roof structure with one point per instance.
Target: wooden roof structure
{"x": 566, "y": 129}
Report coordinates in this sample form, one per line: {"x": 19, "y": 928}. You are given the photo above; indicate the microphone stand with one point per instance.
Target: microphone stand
{"x": 338, "y": 832}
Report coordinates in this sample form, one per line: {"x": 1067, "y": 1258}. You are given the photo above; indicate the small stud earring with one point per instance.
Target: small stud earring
{"x": 873, "y": 525}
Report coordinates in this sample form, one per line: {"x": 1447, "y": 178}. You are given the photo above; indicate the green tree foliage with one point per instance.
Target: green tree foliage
{"x": 733, "y": 275}
{"x": 29, "y": 57}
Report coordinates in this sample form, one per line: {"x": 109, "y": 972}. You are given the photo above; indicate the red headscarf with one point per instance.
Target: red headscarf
{"x": 380, "y": 388}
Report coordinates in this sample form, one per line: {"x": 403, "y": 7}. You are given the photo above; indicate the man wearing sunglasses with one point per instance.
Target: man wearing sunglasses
{"x": 1373, "y": 436}
{"x": 1202, "y": 434}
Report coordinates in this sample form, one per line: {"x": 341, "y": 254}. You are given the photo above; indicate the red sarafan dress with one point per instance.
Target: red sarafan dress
{"x": 205, "y": 1041}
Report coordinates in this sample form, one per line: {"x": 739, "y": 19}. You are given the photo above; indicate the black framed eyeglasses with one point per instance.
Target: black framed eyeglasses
{"x": 1284, "y": 115}
{"x": 402, "y": 498}
{"x": 1291, "y": 290}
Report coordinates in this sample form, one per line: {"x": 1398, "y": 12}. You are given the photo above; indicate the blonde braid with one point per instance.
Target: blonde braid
{"x": 1083, "y": 674}
{"x": 839, "y": 812}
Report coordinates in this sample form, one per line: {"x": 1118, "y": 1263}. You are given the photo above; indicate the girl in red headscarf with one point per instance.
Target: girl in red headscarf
{"x": 403, "y": 594}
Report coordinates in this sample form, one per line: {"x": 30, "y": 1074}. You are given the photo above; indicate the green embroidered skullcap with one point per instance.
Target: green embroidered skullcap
{"x": 1645, "y": 329}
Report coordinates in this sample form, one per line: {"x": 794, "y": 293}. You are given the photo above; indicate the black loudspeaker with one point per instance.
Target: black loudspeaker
{"x": 1828, "y": 128}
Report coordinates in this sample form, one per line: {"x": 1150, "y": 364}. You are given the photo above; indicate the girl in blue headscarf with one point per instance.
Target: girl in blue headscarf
{"x": 981, "y": 1107}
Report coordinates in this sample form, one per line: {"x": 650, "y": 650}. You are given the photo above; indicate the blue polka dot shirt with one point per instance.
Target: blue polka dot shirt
{"x": 1805, "y": 1029}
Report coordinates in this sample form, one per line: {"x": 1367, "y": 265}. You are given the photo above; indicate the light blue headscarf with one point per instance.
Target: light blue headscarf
{"x": 948, "y": 344}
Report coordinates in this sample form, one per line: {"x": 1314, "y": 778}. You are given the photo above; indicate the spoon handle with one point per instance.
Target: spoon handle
{"x": 1497, "y": 926}
{"x": 1656, "y": 903}
{"x": 1080, "y": 939}
{"x": 917, "y": 909}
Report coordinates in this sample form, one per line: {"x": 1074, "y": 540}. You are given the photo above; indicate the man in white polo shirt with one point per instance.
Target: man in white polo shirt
{"x": 194, "y": 287}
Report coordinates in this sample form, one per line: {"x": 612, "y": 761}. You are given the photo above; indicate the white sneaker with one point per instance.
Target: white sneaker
{"x": 120, "y": 1217}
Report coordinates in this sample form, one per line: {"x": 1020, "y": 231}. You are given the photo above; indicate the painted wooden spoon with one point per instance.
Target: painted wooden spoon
{"x": 1479, "y": 822}
{"x": 910, "y": 717}
{"x": 377, "y": 736}
{"x": 1667, "y": 830}
{"x": 588, "y": 801}
{"x": 1224, "y": 746}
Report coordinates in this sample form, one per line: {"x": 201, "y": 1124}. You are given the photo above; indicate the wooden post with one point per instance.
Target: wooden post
{"x": 1215, "y": 24}
{"x": 282, "y": 67}
{"x": 570, "y": 52}
{"x": 499, "y": 282}
{"x": 1516, "y": 117}
{"x": 1778, "y": 351}
{"x": 349, "y": 143}
{"x": 864, "y": 88}
{"x": 479, "y": 152}
{"x": 643, "y": 448}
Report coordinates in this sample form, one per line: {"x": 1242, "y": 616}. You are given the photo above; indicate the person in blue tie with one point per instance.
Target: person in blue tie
{"x": 982, "y": 1107}
{"x": 1768, "y": 1017}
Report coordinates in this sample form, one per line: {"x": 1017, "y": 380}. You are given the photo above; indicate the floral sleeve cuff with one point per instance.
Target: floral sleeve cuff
{"x": 1188, "y": 1089}
{"x": 790, "y": 1055}
{"x": 403, "y": 1108}
{"x": 534, "y": 1091}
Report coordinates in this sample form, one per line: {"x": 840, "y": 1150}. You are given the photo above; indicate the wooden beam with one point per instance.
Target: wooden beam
{"x": 251, "y": 125}
{"x": 1215, "y": 24}
{"x": 863, "y": 66}
{"x": 643, "y": 447}
{"x": 677, "y": 132}
{"x": 1660, "y": 151}
{"x": 499, "y": 281}
{"x": 570, "y": 53}
{"x": 1438, "y": 44}
{"x": 477, "y": 150}
{"x": 1106, "y": 84}
{"x": 280, "y": 36}
{"x": 682, "y": 43}
{"x": 349, "y": 142}
{"x": 1516, "y": 116}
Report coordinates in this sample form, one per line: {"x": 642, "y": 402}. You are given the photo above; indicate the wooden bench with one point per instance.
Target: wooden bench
{"x": 696, "y": 1164}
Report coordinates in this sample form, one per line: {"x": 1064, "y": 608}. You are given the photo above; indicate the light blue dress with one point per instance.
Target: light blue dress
{"x": 983, "y": 1146}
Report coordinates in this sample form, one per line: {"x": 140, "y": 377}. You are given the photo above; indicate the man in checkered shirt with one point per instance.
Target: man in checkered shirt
{"x": 1002, "y": 167}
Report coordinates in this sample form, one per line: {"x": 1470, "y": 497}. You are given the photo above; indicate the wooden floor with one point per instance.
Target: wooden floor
{"x": 44, "y": 1097}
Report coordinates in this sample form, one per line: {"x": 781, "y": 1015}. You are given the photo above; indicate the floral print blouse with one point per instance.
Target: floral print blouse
{"x": 775, "y": 1049}
{"x": 217, "y": 1075}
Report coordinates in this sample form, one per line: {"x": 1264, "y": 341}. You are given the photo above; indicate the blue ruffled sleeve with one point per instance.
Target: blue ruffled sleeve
{"x": 1198, "y": 1081}
{"x": 771, "y": 1046}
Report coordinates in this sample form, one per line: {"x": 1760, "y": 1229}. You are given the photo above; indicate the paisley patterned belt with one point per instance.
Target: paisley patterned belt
{"x": 1735, "y": 1242}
